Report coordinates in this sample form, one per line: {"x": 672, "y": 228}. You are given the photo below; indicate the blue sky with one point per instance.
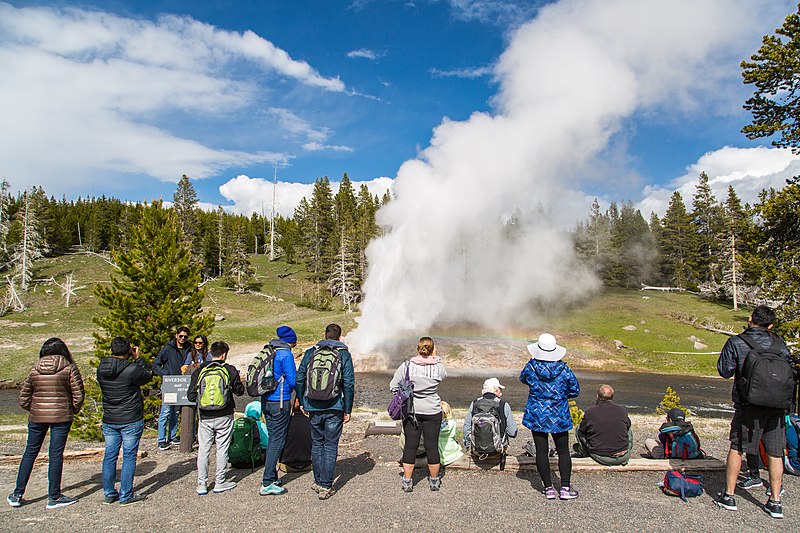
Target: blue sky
{"x": 122, "y": 97}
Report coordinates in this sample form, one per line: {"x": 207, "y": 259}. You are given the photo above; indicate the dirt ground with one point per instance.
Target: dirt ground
{"x": 369, "y": 498}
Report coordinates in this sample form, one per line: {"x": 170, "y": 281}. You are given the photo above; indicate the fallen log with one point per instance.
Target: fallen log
{"x": 91, "y": 454}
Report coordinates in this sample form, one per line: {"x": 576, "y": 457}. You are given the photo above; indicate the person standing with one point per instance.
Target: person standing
{"x": 52, "y": 393}
{"x": 752, "y": 424}
{"x": 168, "y": 362}
{"x": 121, "y": 377}
{"x": 326, "y": 416}
{"x": 212, "y": 388}
{"x": 197, "y": 355}
{"x": 551, "y": 384}
{"x": 425, "y": 371}
{"x": 277, "y": 408}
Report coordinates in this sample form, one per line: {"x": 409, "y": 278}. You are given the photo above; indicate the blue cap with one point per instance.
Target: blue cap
{"x": 286, "y": 334}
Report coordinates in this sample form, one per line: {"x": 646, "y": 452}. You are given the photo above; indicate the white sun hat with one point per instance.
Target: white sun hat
{"x": 490, "y": 385}
{"x": 546, "y": 349}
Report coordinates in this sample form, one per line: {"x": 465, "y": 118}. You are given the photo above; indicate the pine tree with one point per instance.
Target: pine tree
{"x": 593, "y": 239}
{"x": 321, "y": 226}
{"x": 220, "y": 241}
{"x": 344, "y": 281}
{"x": 239, "y": 274}
{"x": 732, "y": 240}
{"x": 633, "y": 249}
{"x": 678, "y": 244}
{"x": 32, "y": 244}
{"x": 184, "y": 202}
{"x": 707, "y": 219}
{"x": 5, "y": 220}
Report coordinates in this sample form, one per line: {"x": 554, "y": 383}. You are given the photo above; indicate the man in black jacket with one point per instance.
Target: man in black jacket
{"x": 605, "y": 433}
{"x": 752, "y": 424}
{"x": 121, "y": 377}
{"x": 168, "y": 362}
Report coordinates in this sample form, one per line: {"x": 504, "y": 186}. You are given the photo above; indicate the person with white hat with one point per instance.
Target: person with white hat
{"x": 489, "y": 422}
{"x": 552, "y": 384}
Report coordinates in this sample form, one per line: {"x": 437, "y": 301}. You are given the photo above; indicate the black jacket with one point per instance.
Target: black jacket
{"x": 169, "y": 360}
{"x": 121, "y": 381}
{"x": 605, "y": 427}
{"x": 237, "y": 388}
{"x": 731, "y": 358}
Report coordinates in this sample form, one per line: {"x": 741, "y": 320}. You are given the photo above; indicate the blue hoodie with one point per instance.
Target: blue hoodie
{"x": 283, "y": 368}
{"x": 253, "y": 410}
{"x": 552, "y": 384}
{"x": 344, "y": 402}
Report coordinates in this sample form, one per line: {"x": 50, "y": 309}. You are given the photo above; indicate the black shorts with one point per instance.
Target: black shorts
{"x": 752, "y": 424}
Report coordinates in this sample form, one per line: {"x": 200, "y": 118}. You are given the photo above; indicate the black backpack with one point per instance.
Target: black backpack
{"x": 488, "y": 432}
{"x": 324, "y": 374}
{"x": 767, "y": 378}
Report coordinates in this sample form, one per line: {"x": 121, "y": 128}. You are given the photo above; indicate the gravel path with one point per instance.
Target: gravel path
{"x": 369, "y": 497}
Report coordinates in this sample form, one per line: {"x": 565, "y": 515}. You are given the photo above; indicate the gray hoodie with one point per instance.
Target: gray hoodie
{"x": 426, "y": 379}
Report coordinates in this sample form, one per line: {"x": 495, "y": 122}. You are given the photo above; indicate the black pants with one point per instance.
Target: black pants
{"x": 428, "y": 425}
{"x": 561, "y": 441}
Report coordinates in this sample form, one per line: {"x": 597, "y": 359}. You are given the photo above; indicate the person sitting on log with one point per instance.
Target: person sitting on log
{"x": 605, "y": 432}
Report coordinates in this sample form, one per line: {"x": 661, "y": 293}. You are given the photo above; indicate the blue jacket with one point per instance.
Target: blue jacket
{"x": 551, "y": 384}
{"x": 283, "y": 367}
{"x": 344, "y": 402}
{"x": 731, "y": 358}
{"x": 169, "y": 360}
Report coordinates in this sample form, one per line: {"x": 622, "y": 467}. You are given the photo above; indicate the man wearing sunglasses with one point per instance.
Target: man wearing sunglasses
{"x": 168, "y": 362}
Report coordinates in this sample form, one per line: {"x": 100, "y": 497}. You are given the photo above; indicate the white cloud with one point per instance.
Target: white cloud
{"x": 470, "y": 72}
{"x": 87, "y": 86}
{"x": 314, "y": 137}
{"x": 254, "y": 195}
{"x": 365, "y": 53}
{"x": 497, "y": 12}
{"x": 748, "y": 170}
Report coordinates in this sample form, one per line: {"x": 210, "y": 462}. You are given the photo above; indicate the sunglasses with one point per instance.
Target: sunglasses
{"x": 183, "y": 336}
{"x": 199, "y": 342}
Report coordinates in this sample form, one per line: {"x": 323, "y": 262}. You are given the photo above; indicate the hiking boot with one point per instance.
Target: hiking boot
{"x": 225, "y": 485}
{"x": 108, "y": 500}
{"x": 435, "y": 483}
{"x": 324, "y": 493}
{"x": 408, "y": 485}
{"x": 768, "y": 492}
{"x": 163, "y": 446}
{"x": 567, "y": 493}
{"x": 14, "y": 500}
{"x": 550, "y": 493}
{"x": 750, "y": 482}
{"x": 271, "y": 490}
{"x": 136, "y": 498}
{"x": 726, "y": 501}
{"x": 61, "y": 501}
{"x": 774, "y": 509}
{"x": 202, "y": 490}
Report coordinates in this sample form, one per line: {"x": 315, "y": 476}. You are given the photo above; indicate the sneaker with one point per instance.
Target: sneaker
{"x": 202, "y": 490}
{"x": 408, "y": 485}
{"x": 108, "y": 500}
{"x": 316, "y": 488}
{"x": 750, "y": 483}
{"x": 176, "y": 441}
{"x": 279, "y": 482}
{"x": 435, "y": 483}
{"x": 62, "y": 501}
{"x": 14, "y": 500}
{"x": 324, "y": 493}
{"x": 567, "y": 493}
{"x": 163, "y": 446}
{"x": 774, "y": 509}
{"x": 768, "y": 492}
{"x": 136, "y": 498}
{"x": 726, "y": 501}
{"x": 550, "y": 493}
{"x": 225, "y": 485}
{"x": 271, "y": 490}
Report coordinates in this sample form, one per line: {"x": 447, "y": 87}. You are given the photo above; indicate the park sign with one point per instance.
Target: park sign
{"x": 174, "y": 389}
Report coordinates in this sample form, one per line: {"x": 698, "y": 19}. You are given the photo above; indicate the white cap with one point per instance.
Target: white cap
{"x": 490, "y": 385}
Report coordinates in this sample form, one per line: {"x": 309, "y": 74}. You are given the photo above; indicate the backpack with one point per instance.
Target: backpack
{"x": 682, "y": 442}
{"x": 245, "y": 449}
{"x": 767, "y": 377}
{"x": 682, "y": 485}
{"x": 213, "y": 387}
{"x": 324, "y": 374}
{"x": 791, "y": 454}
{"x": 260, "y": 378}
{"x": 488, "y": 429}
{"x": 402, "y": 404}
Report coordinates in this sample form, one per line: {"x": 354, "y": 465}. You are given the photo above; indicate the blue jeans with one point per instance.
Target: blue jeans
{"x": 169, "y": 413}
{"x": 326, "y": 429}
{"x": 277, "y": 422}
{"x": 58, "y": 441}
{"x": 128, "y": 436}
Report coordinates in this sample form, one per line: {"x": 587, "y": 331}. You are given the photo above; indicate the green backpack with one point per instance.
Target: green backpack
{"x": 213, "y": 387}
{"x": 324, "y": 375}
{"x": 245, "y": 449}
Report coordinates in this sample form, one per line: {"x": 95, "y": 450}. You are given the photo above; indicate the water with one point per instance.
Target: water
{"x": 639, "y": 392}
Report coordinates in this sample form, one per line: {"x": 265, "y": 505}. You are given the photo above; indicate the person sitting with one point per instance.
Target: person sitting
{"x": 253, "y": 410}
{"x": 605, "y": 432}
{"x": 489, "y": 422}
{"x": 449, "y": 448}
{"x": 676, "y": 438}
{"x": 296, "y": 456}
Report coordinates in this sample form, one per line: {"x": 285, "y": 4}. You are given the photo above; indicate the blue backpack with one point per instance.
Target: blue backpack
{"x": 682, "y": 442}
{"x": 791, "y": 454}
{"x": 683, "y": 485}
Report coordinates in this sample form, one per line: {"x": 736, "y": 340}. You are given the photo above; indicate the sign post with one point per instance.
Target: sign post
{"x": 173, "y": 392}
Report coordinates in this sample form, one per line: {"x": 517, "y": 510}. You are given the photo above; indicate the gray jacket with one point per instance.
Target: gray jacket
{"x": 426, "y": 379}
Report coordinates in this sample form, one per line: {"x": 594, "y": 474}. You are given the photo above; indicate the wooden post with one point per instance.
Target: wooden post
{"x": 187, "y": 428}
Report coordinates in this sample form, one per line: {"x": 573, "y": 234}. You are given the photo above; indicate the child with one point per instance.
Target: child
{"x": 675, "y": 430}
{"x": 449, "y": 448}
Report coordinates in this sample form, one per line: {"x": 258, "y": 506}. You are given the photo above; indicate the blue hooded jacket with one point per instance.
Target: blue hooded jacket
{"x": 552, "y": 384}
{"x": 344, "y": 402}
{"x": 283, "y": 367}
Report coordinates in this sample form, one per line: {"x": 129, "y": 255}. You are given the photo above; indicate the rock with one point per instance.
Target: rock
{"x": 699, "y": 345}
{"x": 693, "y": 339}
{"x": 619, "y": 345}
{"x": 647, "y": 331}
{"x": 629, "y": 328}
{"x": 219, "y": 318}
{"x": 37, "y": 324}
{"x": 643, "y": 322}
